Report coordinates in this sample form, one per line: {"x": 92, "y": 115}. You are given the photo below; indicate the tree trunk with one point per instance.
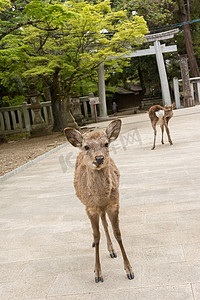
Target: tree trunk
{"x": 188, "y": 99}
{"x": 190, "y": 51}
{"x": 192, "y": 59}
{"x": 194, "y": 69}
{"x": 56, "y": 102}
{"x": 47, "y": 93}
{"x": 60, "y": 103}
{"x": 188, "y": 39}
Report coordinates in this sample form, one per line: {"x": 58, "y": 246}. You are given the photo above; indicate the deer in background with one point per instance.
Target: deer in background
{"x": 160, "y": 115}
{"x": 96, "y": 182}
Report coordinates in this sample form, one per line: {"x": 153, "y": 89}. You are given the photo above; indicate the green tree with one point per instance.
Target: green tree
{"x": 68, "y": 44}
{"x": 156, "y": 13}
{"x": 4, "y": 4}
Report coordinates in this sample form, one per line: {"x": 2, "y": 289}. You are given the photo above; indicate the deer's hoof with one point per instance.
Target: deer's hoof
{"x": 129, "y": 272}
{"x": 153, "y": 148}
{"x": 98, "y": 279}
{"x": 171, "y": 143}
{"x": 113, "y": 255}
{"x": 93, "y": 245}
{"x": 130, "y": 276}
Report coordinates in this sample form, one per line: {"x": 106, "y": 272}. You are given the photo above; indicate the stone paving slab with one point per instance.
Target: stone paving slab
{"x": 45, "y": 235}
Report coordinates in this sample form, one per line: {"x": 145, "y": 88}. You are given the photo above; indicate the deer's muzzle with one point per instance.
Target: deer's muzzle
{"x": 99, "y": 160}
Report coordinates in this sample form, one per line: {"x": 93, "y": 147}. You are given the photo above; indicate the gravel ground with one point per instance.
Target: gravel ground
{"x": 16, "y": 153}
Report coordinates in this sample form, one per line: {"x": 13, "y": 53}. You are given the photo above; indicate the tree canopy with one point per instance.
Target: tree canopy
{"x": 58, "y": 45}
{"x": 63, "y": 42}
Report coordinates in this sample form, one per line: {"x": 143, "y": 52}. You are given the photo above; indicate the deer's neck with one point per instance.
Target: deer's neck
{"x": 100, "y": 181}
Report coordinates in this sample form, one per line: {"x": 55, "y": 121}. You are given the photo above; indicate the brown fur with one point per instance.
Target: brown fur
{"x": 163, "y": 122}
{"x": 97, "y": 187}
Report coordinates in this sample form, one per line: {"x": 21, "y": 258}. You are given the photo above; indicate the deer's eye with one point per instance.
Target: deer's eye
{"x": 106, "y": 145}
{"x": 86, "y": 147}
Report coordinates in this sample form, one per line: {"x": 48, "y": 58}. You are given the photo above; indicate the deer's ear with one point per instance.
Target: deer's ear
{"x": 74, "y": 137}
{"x": 113, "y": 130}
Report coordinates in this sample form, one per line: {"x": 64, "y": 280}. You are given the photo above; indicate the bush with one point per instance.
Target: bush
{"x": 14, "y": 101}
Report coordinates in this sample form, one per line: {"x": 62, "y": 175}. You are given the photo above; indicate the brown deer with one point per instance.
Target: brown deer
{"x": 160, "y": 115}
{"x": 96, "y": 182}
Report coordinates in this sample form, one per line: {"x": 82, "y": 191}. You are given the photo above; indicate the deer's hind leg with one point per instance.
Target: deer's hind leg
{"x": 162, "y": 130}
{"x": 94, "y": 219}
{"x": 113, "y": 214}
{"x": 154, "y": 129}
{"x": 109, "y": 242}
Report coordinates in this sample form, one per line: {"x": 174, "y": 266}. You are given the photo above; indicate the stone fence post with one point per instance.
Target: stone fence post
{"x": 176, "y": 92}
{"x": 26, "y": 116}
{"x": 198, "y": 89}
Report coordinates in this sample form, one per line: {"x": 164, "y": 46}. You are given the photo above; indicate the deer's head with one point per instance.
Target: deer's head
{"x": 95, "y": 145}
{"x": 169, "y": 110}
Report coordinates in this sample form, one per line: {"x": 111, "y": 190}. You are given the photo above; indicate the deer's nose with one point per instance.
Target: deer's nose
{"x": 99, "y": 159}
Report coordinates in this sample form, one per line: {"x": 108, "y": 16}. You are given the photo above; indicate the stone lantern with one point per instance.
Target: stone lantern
{"x": 39, "y": 127}
{"x": 76, "y": 109}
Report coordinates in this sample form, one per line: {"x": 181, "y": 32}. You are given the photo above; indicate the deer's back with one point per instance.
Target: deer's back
{"x": 153, "y": 110}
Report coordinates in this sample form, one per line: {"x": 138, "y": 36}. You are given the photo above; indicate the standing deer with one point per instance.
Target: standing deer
{"x": 160, "y": 116}
{"x": 96, "y": 182}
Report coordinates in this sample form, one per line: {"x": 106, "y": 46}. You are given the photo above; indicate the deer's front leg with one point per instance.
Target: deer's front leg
{"x": 109, "y": 242}
{"x": 168, "y": 134}
{"x": 113, "y": 214}
{"x": 94, "y": 219}
{"x": 162, "y": 130}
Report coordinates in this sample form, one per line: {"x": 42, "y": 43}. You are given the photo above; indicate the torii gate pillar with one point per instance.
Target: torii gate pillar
{"x": 102, "y": 93}
{"x": 163, "y": 75}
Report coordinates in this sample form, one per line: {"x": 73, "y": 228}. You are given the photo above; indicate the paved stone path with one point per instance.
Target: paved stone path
{"x": 45, "y": 235}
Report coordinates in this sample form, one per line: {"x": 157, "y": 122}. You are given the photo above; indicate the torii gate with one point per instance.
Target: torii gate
{"x": 158, "y": 50}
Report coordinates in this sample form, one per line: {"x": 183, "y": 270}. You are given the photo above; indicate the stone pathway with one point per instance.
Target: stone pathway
{"x": 45, "y": 235}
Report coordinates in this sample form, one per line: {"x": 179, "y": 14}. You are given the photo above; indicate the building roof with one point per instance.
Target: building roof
{"x": 132, "y": 89}
{"x": 123, "y": 91}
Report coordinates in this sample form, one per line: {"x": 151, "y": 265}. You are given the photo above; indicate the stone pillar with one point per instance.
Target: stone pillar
{"x": 70, "y": 119}
{"x": 39, "y": 126}
{"x": 76, "y": 111}
{"x": 84, "y": 101}
{"x": 91, "y": 95}
{"x": 176, "y": 92}
{"x": 192, "y": 89}
{"x": 92, "y": 112}
{"x": 26, "y": 116}
{"x": 163, "y": 75}
{"x": 85, "y": 109}
{"x": 198, "y": 89}
{"x": 36, "y": 108}
{"x": 102, "y": 93}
